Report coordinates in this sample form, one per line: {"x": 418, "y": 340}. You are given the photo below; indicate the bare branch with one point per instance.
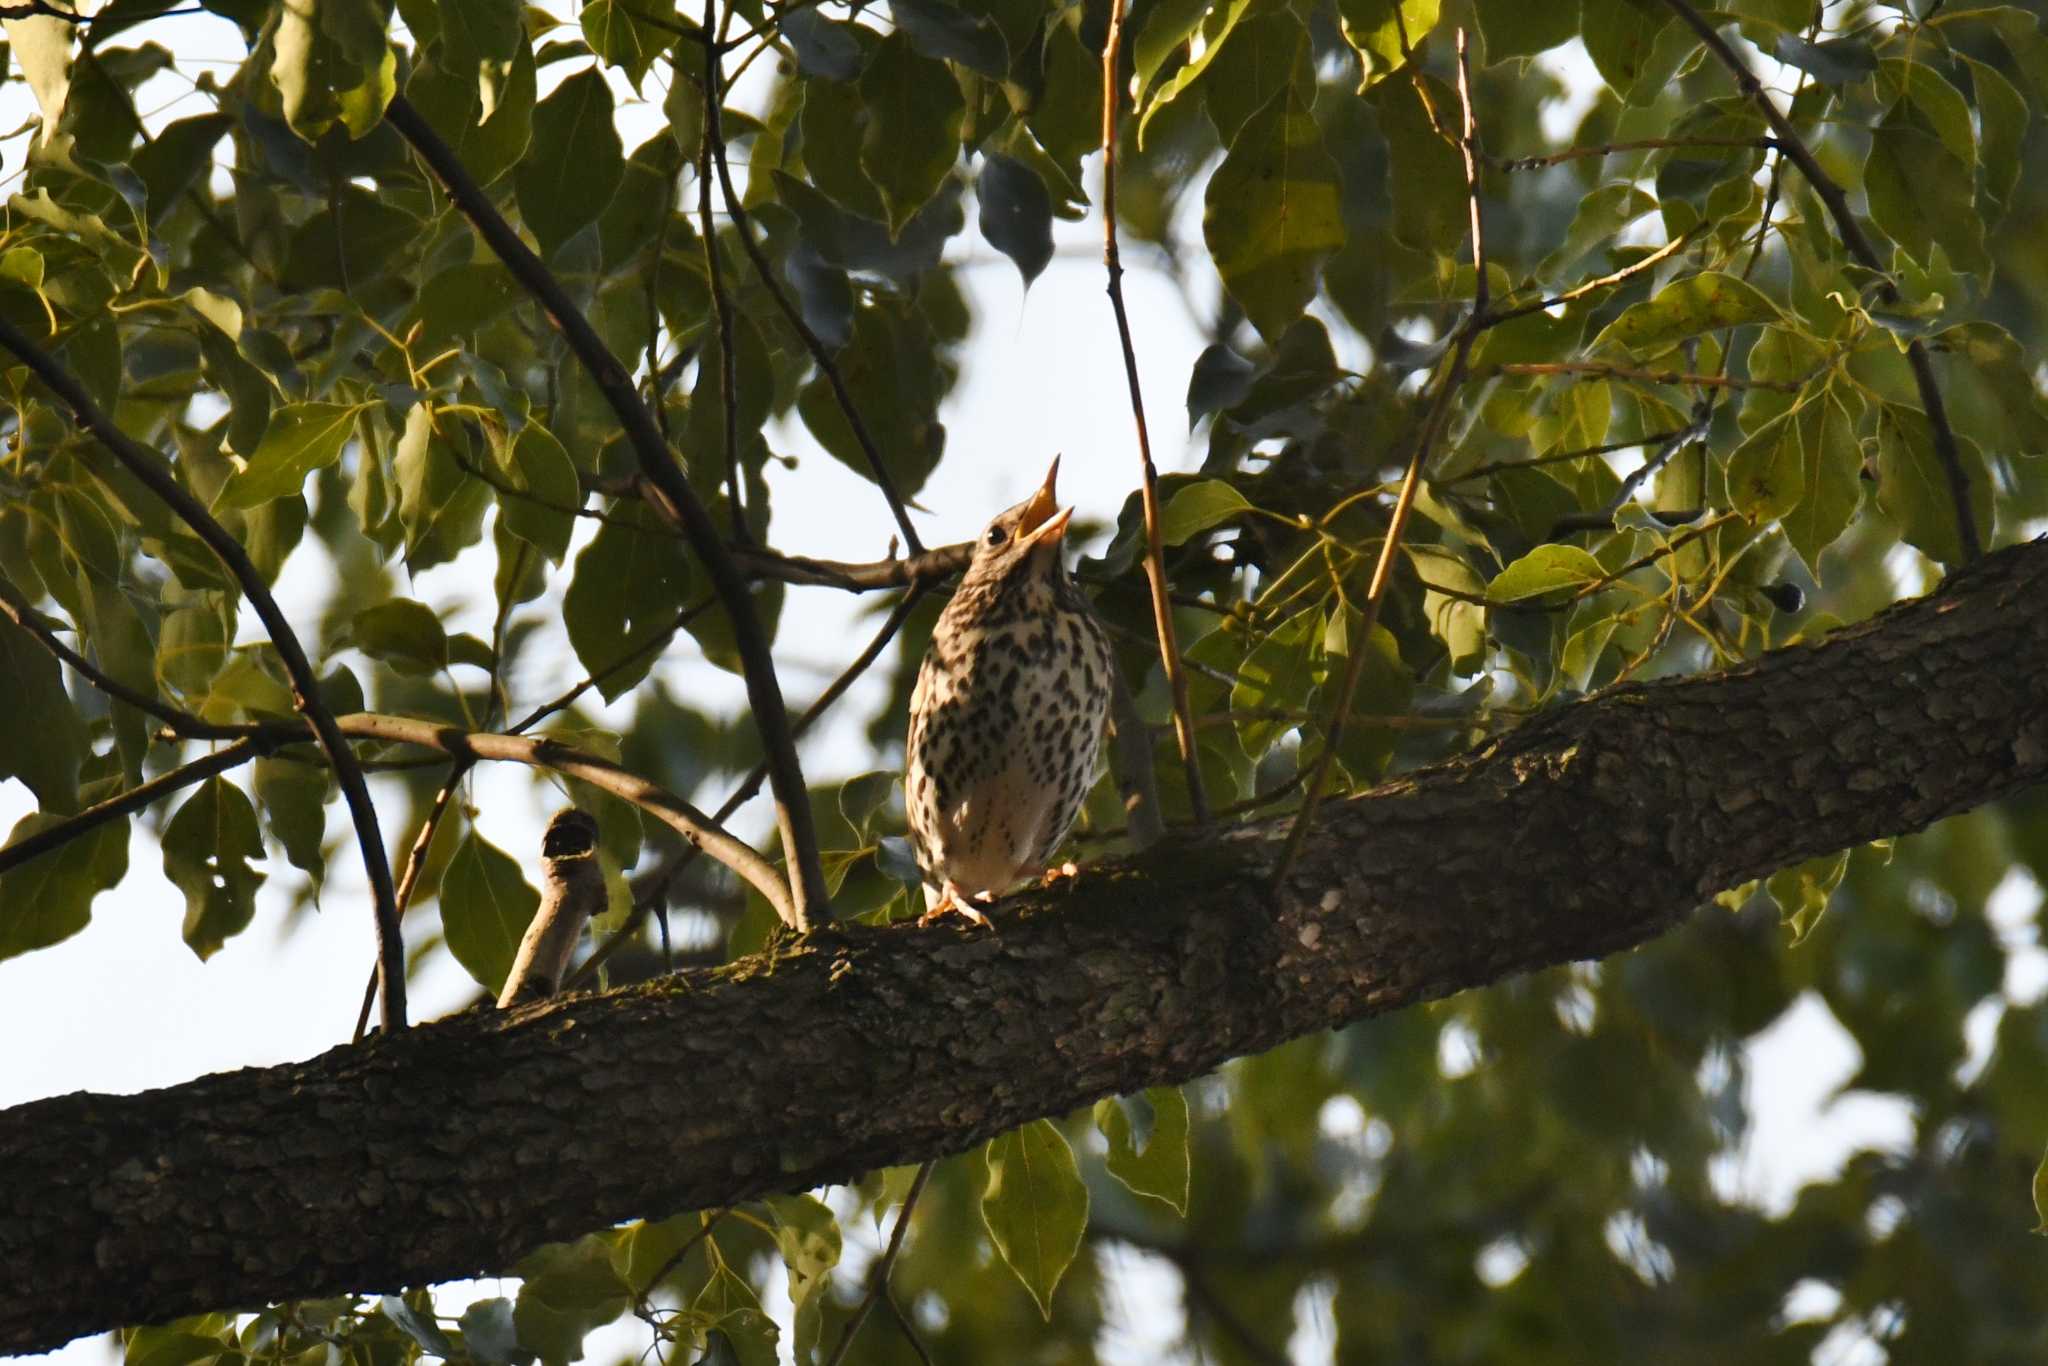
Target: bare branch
{"x": 657, "y": 464}
{"x": 1148, "y": 485}
{"x": 149, "y": 469}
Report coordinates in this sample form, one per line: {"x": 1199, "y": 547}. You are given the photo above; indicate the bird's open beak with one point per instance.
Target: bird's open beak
{"x": 1045, "y": 521}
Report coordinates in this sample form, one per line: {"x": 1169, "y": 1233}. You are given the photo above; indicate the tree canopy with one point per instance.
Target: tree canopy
{"x": 1616, "y": 447}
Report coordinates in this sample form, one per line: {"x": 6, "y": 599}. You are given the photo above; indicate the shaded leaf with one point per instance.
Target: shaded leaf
{"x": 1016, "y": 213}
{"x": 944, "y": 31}
{"x": 1706, "y": 302}
{"x": 486, "y": 905}
{"x": 628, "y": 586}
{"x": 49, "y": 898}
{"x": 575, "y": 164}
{"x": 207, "y": 847}
{"x": 44, "y": 755}
{"x": 1913, "y": 484}
{"x": 912, "y": 139}
{"x": 569, "y": 1289}
{"x": 404, "y": 634}
{"x": 1838, "y": 61}
{"x": 1271, "y": 217}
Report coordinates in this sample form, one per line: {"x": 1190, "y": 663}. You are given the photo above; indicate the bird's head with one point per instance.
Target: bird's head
{"x": 1023, "y": 541}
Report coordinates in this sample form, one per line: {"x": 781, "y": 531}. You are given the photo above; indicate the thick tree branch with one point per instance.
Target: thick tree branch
{"x": 764, "y": 693}
{"x": 1794, "y": 147}
{"x": 1618, "y": 815}
{"x": 151, "y": 471}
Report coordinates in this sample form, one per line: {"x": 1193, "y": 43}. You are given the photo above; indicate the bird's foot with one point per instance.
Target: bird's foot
{"x": 1065, "y": 870}
{"x": 954, "y": 902}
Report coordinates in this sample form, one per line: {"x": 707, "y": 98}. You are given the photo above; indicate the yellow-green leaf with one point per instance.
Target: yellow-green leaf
{"x": 1150, "y": 1156}
{"x": 1706, "y": 302}
{"x": 1271, "y": 217}
{"x": 1913, "y": 484}
{"x": 1545, "y": 569}
{"x": 1035, "y": 1206}
{"x": 1196, "y": 507}
{"x": 301, "y": 438}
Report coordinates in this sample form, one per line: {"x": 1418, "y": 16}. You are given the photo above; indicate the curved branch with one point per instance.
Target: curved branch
{"x": 1619, "y": 815}
{"x": 150, "y": 471}
{"x": 764, "y": 693}
{"x": 1792, "y": 146}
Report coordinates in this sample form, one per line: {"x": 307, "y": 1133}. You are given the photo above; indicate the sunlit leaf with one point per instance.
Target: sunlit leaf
{"x": 1151, "y": 1159}
{"x": 1035, "y": 1206}
{"x": 301, "y": 438}
{"x": 1271, "y": 216}
{"x": 1196, "y": 507}
{"x": 1684, "y": 308}
{"x": 1545, "y": 569}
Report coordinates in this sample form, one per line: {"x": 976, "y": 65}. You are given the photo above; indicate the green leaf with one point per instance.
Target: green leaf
{"x": 823, "y": 47}
{"x": 1196, "y": 507}
{"x": 486, "y": 905}
{"x": 1545, "y": 569}
{"x": 404, "y": 634}
{"x": 535, "y": 463}
{"x": 1516, "y": 28}
{"x": 1634, "y": 45}
{"x": 294, "y": 801}
{"x": 489, "y": 1332}
{"x": 331, "y": 63}
{"x": 1830, "y": 486}
{"x": 2041, "y": 1196}
{"x": 620, "y": 37}
{"x": 1166, "y": 28}
{"x": 41, "y": 47}
{"x": 912, "y": 139}
{"x": 421, "y": 1328}
{"x": 440, "y": 505}
{"x": 46, "y": 754}
{"x": 1220, "y": 379}
{"x": 1766, "y": 473}
{"x": 1839, "y": 61}
{"x": 49, "y": 898}
{"x": 807, "y": 1235}
{"x": 1016, "y": 213}
{"x": 1913, "y": 484}
{"x": 1276, "y": 674}
{"x": 1383, "y": 32}
{"x": 301, "y": 438}
{"x": 1035, "y": 1206}
{"x": 575, "y": 164}
{"x": 1425, "y": 175}
{"x": 2002, "y": 114}
{"x": 888, "y": 368}
{"x": 1920, "y": 195}
{"x": 1271, "y": 218}
{"x": 207, "y": 847}
{"x": 1706, "y": 302}
{"x": 1150, "y": 1158}
{"x": 567, "y": 1291}
{"x": 1802, "y": 891}
{"x": 950, "y": 34}
{"x": 1215, "y": 27}
{"x": 629, "y": 584}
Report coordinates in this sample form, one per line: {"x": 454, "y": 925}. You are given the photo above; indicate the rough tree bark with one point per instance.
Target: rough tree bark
{"x": 452, "y": 1149}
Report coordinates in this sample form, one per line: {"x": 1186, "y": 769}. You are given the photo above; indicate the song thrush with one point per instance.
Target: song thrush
{"x": 1008, "y": 715}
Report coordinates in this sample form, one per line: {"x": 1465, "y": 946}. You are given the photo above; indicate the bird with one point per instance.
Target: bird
{"x": 573, "y": 891}
{"x": 1008, "y": 714}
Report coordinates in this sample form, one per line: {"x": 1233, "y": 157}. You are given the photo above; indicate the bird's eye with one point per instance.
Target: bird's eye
{"x": 995, "y": 536}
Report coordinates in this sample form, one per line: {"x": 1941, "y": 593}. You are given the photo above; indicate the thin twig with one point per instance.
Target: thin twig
{"x": 135, "y": 799}
{"x": 742, "y": 224}
{"x": 181, "y": 723}
{"x": 1556, "y": 457}
{"x": 721, "y": 302}
{"x": 909, "y": 1330}
{"x": 1155, "y": 548}
{"x": 1536, "y": 163}
{"x": 1603, "y": 282}
{"x": 764, "y": 694}
{"x": 409, "y": 880}
{"x": 1433, "y": 427}
{"x": 1859, "y": 245}
{"x": 1675, "y": 377}
{"x": 752, "y": 783}
{"x": 878, "y": 1278}
{"x": 149, "y": 469}
{"x": 920, "y": 570}
{"x": 625, "y": 661}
